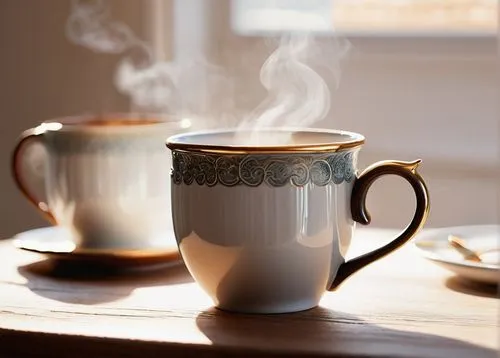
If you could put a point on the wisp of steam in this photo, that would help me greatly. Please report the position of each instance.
(297, 95)
(148, 84)
(153, 85)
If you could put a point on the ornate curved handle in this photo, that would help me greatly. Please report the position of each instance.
(406, 170)
(28, 137)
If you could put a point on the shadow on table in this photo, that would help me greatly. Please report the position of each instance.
(324, 332)
(472, 288)
(87, 285)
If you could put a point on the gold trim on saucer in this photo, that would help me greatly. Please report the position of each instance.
(176, 143)
(55, 243)
(122, 258)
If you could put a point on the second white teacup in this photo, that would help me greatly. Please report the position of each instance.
(107, 178)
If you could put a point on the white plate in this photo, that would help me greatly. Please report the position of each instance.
(55, 242)
(433, 244)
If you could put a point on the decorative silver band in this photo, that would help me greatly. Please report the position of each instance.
(254, 170)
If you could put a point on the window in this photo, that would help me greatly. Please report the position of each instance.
(401, 17)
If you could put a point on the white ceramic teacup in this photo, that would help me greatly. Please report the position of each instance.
(265, 228)
(107, 178)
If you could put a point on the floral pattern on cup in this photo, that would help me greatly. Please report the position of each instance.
(256, 169)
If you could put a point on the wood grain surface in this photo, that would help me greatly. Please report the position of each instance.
(401, 306)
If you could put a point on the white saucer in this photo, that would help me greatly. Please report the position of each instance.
(56, 243)
(433, 245)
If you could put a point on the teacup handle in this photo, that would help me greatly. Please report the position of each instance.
(406, 170)
(29, 137)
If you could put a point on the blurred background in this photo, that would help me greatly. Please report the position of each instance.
(420, 81)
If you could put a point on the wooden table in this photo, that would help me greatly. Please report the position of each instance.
(402, 306)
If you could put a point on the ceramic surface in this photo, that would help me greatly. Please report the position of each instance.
(264, 227)
(433, 245)
(263, 233)
(109, 185)
(57, 243)
(263, 248)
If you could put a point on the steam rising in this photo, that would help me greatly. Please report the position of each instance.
(298, 96)
(152, 85)
(89, 26)
(149, 83)
(293, 75)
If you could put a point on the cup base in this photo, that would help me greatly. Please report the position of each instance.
(275, 308)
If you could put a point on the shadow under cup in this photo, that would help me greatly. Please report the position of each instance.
(106, 178)
(263, 220)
